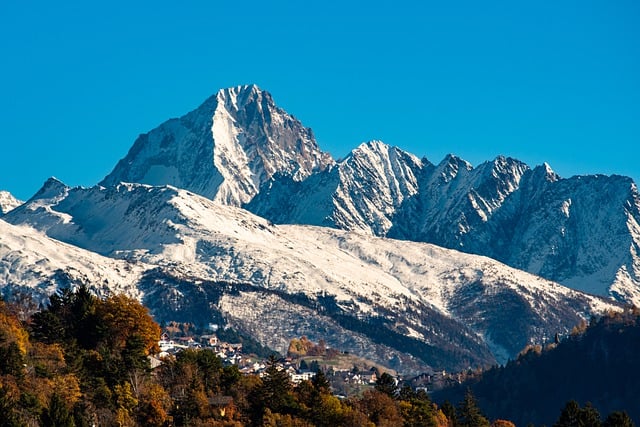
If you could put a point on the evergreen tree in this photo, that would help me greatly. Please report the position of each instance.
(11, 358)
(589, 416)
(57, 415)
(387, 384)
(8, 417)
(618, 419)
(574, 416)
(570, 415)
(320, 382)
(406, 393)
(274, 393)
(450, 412)
(469, 414)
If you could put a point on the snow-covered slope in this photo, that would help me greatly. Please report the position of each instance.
(225, 149)
(239, 148)
(362, 192)
(30, 260)
(412, 303)
(8, 202)
(580, 231)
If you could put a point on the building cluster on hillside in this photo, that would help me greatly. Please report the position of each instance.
(357, 378)
(230, 354)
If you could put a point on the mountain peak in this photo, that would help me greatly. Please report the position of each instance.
(225, 150)
(545, 172)
(8, 202)
(371, 146)
(240, 96)
(51, 188)
(451, 165)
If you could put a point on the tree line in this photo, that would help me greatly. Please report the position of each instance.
(84, 361)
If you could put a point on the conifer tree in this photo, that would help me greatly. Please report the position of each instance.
(320, 382)
(469, 414)
(387, 384)
(57, 415)
(618, 419)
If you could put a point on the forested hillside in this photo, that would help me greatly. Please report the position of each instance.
(84, 361)
(597, 365)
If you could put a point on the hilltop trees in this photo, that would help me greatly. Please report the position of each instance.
(83, 360)
(597, 363)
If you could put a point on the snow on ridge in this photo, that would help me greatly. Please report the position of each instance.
(30, 258)
(8, 202)
(194, 239)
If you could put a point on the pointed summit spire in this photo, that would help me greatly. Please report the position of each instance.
(225, 150)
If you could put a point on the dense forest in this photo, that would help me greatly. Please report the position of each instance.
(597, 366)
(83, 361)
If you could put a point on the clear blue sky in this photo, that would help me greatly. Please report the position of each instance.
(544, 80)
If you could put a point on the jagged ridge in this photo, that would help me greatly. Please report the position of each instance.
(425, 305)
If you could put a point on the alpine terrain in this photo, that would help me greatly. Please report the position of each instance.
(233, 215)
(408, 305)
(7, 202)
(239, 148)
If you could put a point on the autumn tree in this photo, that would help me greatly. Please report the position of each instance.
(380, 408)
(416, 408)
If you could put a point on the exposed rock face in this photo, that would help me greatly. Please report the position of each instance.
(581, 231)
(225, 149)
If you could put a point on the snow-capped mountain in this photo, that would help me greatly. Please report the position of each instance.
(405, 304)
(168, 226)
(581, 231)
(32, 262)
(225, 149)
(362, 192)
(8, 202)
(238, 148)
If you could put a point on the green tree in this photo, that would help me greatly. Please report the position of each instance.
(406, 393)
(387, 384)
(589, 416)
(11, 358)
(574, 416)
(321, 383)
(618, 419)
(469, 414)
(8, 417)
(450, 412)
(275, 392)
(57, 414)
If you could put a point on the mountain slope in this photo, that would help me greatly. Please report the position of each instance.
(225, 149)
(31, 261)
(8, 202)
(362, 192)
(239, 148)
(581, 231)
(410, 304)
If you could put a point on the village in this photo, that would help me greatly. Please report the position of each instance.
(303, 359)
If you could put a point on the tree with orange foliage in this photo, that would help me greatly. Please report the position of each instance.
(121, 318)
